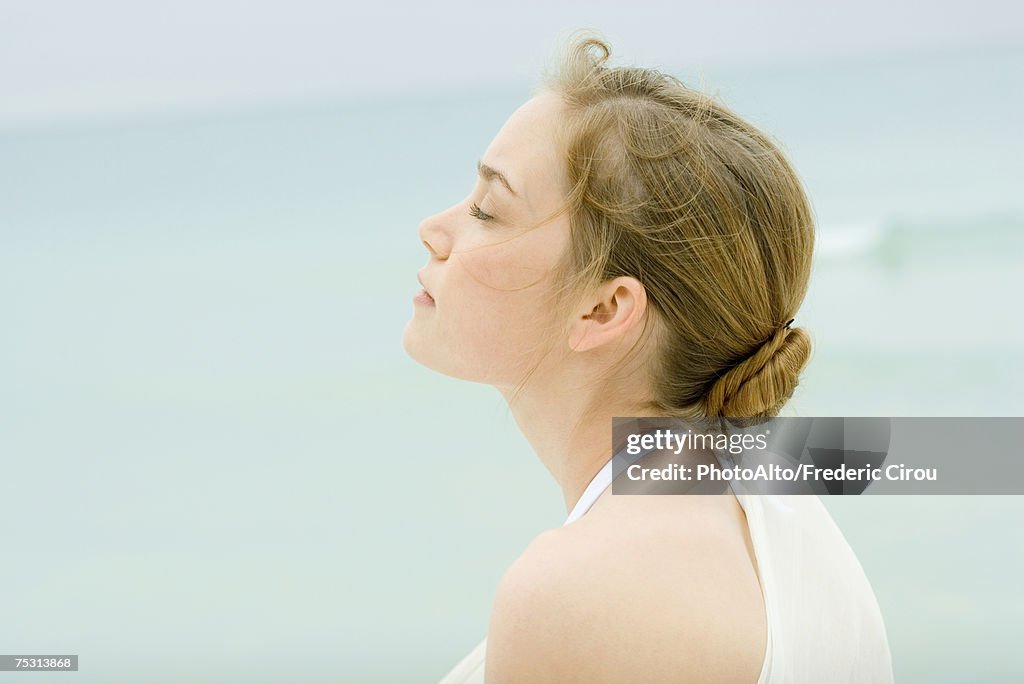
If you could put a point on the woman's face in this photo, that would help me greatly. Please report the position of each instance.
(487, 273)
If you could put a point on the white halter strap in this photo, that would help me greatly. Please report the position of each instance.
(601, 482)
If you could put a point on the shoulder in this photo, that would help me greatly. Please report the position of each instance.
(611, 601)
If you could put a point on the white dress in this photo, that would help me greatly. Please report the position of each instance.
(824, 624)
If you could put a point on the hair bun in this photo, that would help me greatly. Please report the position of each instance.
(761, 384)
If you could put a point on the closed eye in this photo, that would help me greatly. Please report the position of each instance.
(475, 212)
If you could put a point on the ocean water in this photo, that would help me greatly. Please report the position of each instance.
(219, 464)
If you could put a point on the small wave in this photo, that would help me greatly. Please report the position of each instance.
(870, 237)
(847, 240)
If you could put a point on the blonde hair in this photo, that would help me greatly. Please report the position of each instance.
(668, 185)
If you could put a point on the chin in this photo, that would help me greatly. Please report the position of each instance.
(410, 343)
(489, 366)
(423, 352)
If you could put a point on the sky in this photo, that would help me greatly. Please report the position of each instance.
(64, 60)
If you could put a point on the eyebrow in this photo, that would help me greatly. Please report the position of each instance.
(488, 173)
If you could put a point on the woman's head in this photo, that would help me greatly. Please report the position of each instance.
(491, 258)
(658, 218)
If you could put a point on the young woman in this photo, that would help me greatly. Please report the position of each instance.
(634, 248)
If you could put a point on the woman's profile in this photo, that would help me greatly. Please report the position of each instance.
(633, 247)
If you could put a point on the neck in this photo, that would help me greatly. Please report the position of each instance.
(572, 446)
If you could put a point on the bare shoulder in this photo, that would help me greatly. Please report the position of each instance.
(629, 596)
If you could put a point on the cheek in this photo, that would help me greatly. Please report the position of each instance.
(501, 292)
(506, 267)
(517, 263)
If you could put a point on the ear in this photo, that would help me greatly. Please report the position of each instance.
(616, 307)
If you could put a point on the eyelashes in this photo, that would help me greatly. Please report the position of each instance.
(475, 212)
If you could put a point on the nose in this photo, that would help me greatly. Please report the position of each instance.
(435, 237)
